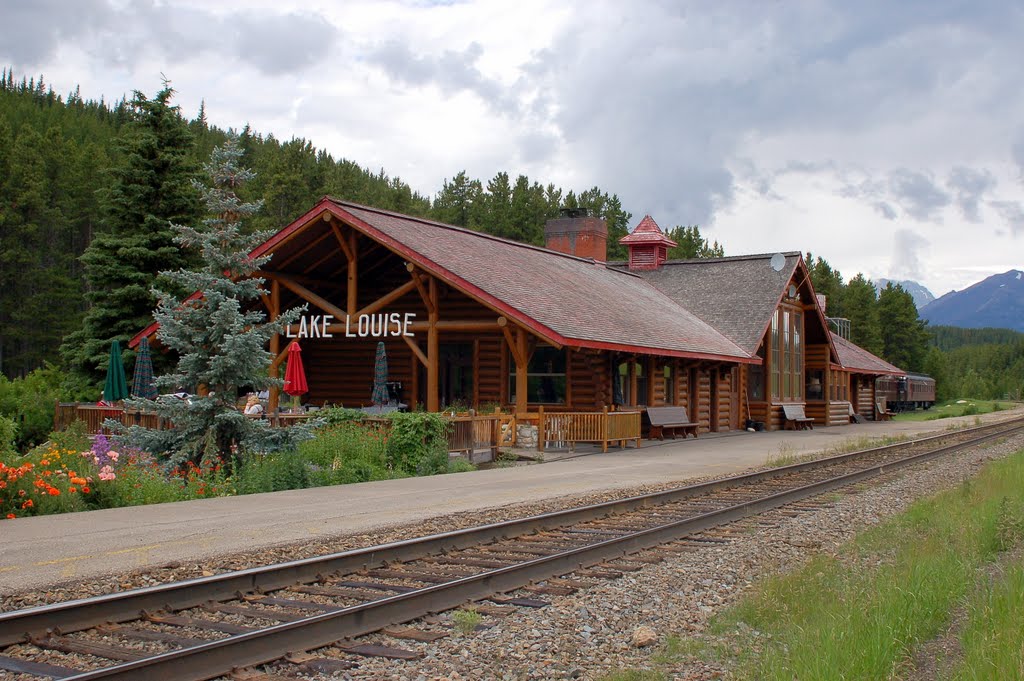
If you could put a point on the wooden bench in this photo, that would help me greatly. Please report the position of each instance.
(794, 414)
(882, 411)
(668, 420)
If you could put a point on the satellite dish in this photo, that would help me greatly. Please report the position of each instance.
(777, 262)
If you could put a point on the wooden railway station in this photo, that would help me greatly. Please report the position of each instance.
(551, 335)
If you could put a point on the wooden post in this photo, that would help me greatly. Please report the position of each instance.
(433, 351)
(540, 428)
(522, 384)
(604, 429)
(632, 383)
(353, 275)
(275, 343)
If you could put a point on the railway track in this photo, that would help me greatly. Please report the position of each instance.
(208, 627)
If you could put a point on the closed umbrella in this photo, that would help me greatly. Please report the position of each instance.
(380, 376)
(294, 374)
(116, 386)
(142, 380)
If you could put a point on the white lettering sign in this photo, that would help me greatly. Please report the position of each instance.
(381, 325)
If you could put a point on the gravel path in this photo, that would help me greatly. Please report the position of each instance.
(591, 633)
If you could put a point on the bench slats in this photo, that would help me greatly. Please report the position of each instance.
(795, 414)
(670, 419)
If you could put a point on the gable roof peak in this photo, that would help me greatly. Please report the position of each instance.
(647, 232)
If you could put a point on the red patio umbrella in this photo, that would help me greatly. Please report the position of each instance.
(294, 375)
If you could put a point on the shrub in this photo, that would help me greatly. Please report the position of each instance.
(8, 435)
(417, 443)
(335, 415)
(460, 466)
(29, 402)
(346, 452)
(272, 473)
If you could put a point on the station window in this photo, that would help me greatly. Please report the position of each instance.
(787, 368)
(545, 377)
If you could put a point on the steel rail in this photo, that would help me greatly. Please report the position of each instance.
(81, 614)
(220, 657)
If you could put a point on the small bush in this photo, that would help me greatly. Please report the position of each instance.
(466, 621)
(8, 435)
(29, 402)
(417, 443)
(332, 416)
(346, 452)
(272, 473)
(460, 466)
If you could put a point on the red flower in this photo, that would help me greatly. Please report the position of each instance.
(85, 490)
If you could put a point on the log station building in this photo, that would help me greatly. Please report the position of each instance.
(477, 321)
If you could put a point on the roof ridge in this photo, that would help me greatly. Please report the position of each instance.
(463, 230)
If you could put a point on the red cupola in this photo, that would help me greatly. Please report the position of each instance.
(648, 245)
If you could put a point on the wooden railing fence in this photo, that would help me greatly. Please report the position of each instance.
(603, 427)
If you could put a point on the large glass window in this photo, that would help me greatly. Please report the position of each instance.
(787, 370)
(545, 377)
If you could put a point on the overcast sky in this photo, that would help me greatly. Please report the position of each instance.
(884, 136)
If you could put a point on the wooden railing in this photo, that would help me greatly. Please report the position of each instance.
(467, 433)
(603, 427)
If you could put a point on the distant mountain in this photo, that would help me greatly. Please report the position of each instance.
(918, 292)
(996, 302)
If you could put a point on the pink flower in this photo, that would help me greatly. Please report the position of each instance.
(107, 473)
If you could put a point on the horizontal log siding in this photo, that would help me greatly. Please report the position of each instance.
(839, 413)
(489, 369)
(866, 398)
(703, 401)
(724, 399)
(340, 370)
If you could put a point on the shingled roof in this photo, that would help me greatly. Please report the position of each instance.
(647, 232)
(736, 295)
(571, 300)
(859, 360)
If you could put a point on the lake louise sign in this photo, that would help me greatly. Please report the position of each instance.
(364, 326)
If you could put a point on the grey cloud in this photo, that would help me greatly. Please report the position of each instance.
(970, 187)
(118, 34)
(285, 43)
(906, 260)
(1017, 152)
(33, 29)
(1012, 213)
(917, 194)
(452, 71)
(885, 210)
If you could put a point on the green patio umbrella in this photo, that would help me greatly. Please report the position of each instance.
(116, 386)
(380, 376)
(142, 380)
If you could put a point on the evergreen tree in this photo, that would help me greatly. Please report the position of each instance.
(862, 310)
(151, 189)
(219, 335)
(691, 244)
(460, 202)
(829, 283)
(904, 339)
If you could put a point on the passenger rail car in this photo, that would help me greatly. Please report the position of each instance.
(906, 393)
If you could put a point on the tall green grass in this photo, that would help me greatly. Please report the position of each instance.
(993, 639)
(859, 615)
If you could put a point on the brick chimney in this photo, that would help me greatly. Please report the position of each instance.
(648, 245)
(578, 234)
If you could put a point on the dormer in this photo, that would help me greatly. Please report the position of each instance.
(648, 245)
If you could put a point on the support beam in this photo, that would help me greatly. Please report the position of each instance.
(274, 306)
(349, 255)
(417, 353)
(387, 299)
(433, 352)
(522, 366)
(353, 273)
(417, 279)
(307, 295)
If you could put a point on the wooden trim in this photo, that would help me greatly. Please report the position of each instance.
(418, 280)
(349, 255)
(274, 306)
(416, 352)
(387, 298)
(303, 251)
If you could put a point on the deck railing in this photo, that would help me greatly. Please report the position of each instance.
(467, 434)
(603, 427)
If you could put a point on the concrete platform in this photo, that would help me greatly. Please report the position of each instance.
(44, 550)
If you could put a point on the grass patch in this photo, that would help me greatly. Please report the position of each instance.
(466, 621)
(992, 639)
(954, 408)
(859, 614)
